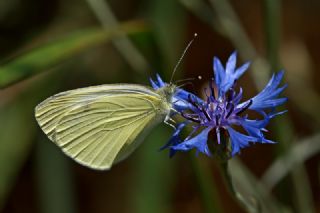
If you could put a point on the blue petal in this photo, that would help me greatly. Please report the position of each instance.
(231, 63)
(158, 83)
(274, 114)
(198, 142)
(255, 128)
(225, 78)
(268, 97)
(161, 83)
(239, 141)
(231, 77)
(181, 102)
(277, 91)
(175, 138)
(239, 72)
(238, 98)
(219, 72)
(181, 105)
(154, 84)
(184, 95)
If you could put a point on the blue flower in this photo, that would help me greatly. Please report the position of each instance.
(223, 110)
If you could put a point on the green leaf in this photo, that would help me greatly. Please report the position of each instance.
(251, 190)
(171, 43)
(15, 118)
(206, 184)
(17, 132)
(48, 55)
(299, 153)
(153, 175)
(55, 185)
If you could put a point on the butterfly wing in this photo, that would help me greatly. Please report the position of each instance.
(100, 125)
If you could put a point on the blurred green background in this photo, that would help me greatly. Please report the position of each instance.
(51, 46)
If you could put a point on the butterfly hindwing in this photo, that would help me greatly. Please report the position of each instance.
(93, 125)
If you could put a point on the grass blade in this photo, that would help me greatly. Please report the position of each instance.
(48, 55)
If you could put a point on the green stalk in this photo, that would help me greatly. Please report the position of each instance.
(54, 179)
(126, 48)
(223, 157)
(272, 31)
(232, 28)
(205, 182)
(48, 55)
(153, 176)
(250, 207)
(284, 127)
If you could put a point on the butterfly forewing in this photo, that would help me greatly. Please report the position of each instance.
(92, 125)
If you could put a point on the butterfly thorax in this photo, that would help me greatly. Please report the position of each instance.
(167, 93)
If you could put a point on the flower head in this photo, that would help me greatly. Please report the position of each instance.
(223, 110)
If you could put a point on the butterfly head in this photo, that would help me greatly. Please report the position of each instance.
(166, 103)
(167, 92)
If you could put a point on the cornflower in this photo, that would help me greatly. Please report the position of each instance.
(222, 111)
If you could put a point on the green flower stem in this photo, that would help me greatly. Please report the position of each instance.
(234, 31)
(108, 20)
(222, 156)
(250, 207)
(272, 31)
(205, 182)
(284, 127)
(55, 184)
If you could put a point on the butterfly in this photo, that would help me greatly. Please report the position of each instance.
(99, 126)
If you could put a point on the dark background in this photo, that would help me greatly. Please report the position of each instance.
(52, 46)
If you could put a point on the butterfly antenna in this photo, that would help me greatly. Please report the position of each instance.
(180, 59)
(187, 83)
(188, 79)
(182, 80)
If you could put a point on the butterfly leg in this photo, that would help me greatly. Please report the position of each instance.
(166, 121)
